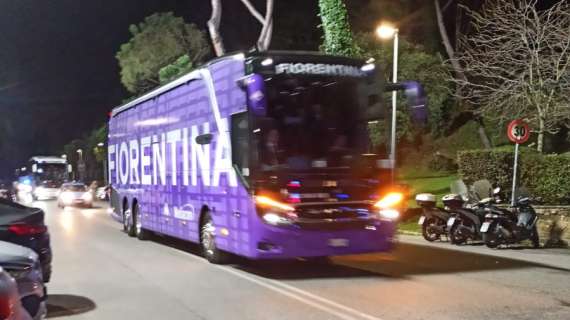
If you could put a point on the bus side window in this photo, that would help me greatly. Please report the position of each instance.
(240, 142)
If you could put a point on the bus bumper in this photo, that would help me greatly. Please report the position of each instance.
(286, 243)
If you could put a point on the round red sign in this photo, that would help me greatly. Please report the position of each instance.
(518, 131)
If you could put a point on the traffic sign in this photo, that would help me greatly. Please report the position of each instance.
(518, 131)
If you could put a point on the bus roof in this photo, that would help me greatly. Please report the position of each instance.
(47, 159)
(301, 55)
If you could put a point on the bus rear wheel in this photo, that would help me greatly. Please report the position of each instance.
(140, 233)
(208, 242)
(128, 225)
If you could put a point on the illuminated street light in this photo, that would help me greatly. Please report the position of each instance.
(100, 144)
(387, 31)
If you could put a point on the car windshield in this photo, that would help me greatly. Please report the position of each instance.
(75, 188)
(313, 122)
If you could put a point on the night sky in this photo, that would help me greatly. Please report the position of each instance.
(58, 73)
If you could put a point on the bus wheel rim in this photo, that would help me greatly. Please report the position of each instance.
(208, 238)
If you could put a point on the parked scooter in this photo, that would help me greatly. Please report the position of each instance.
(466, 221)
(511, 226)
(433, 219)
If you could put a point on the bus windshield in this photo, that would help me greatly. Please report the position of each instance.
(313, 122)
(52, 171)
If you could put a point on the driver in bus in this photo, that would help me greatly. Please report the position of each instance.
(270, 150)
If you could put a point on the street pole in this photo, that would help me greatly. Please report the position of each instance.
(515, 167)
(394, 103)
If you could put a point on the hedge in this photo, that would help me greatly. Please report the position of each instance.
(546, 176)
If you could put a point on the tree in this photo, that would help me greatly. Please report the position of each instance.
(338, 38)
(457, 68)
(414, 63)
(517, 64)
(158, 41)
(178, 68)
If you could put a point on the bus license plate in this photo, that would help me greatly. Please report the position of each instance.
(450, 222)
(485, 226)
(422, 219)
(338, 243)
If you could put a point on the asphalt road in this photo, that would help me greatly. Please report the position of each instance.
(100, 273)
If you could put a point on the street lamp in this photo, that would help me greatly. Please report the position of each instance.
(101, 145)
(387, 31)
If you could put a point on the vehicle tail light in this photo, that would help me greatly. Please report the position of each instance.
(26, 229)
(6, 307)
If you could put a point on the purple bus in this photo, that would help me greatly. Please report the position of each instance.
(261, 155)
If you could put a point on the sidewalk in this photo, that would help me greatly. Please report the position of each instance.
(557, 258)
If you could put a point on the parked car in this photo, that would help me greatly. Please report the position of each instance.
(25, 226)
(75, 194)
(23, 265)
(10, 305)
(6, 190)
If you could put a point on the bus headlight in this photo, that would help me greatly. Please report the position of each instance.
(25, 187)
(391, 214)
(276, 219)
(390, 200)
(275, 213)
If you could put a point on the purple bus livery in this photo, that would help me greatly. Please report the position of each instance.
(261, 155)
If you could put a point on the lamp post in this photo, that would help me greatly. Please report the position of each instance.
(80, 165)
(104, 161)
(386, 31)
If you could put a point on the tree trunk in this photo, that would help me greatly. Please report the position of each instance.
(267, 23)
(214, 28)
(540, 139)
(458, 69)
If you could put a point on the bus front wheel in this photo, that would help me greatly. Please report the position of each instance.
(208, 242)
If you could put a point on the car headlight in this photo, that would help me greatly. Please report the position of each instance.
(66, 197)
(87, 196)
(391, 214)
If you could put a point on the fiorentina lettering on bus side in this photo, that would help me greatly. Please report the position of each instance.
(146, 161)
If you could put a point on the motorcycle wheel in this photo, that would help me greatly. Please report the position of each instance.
(491, 237)
(456, 236)
(428, 234)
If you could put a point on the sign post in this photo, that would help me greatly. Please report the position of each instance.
(518, 132)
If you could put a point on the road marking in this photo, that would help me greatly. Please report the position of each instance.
(292, 292)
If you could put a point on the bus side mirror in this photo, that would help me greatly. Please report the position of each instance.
(416, 99)
(204, 138)
(254, 86)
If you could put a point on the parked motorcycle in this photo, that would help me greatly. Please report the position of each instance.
(511, 226)
(433, 219)
(466, 221)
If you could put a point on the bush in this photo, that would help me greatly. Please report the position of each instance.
(544, 176)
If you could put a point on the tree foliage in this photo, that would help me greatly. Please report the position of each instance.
(158, 41)
(338, 38)
(178, 68)
(418, 64)
(517, 64)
